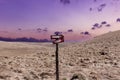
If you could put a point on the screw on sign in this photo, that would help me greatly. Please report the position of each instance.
(57, 39)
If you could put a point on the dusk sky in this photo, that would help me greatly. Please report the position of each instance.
(74, 18)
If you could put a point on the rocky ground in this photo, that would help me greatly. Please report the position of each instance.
(97, 59)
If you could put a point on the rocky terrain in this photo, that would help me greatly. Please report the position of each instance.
(97, 59)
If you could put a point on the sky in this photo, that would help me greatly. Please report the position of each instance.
(76, 19)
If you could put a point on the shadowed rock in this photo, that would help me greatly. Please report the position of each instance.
(78, 77)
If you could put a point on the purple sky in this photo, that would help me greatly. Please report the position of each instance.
(53, 15)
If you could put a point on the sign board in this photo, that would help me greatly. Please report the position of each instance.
(57, 38)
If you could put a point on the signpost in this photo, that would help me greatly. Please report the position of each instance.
(57, 39)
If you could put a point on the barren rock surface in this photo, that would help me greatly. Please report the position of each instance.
(97, 59)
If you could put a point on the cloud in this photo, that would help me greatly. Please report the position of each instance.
(90, 9)
(94, 0)
(96, 25)
(118, 20)
(19, 29)
(45, 30)
(57, 33)
(99, 26)
(101, 7)
(104, 22)
(85, 33)
(70, 30)
(42, 30)
(65, 1)
(39, 30)
(93, 28)
(108, 25)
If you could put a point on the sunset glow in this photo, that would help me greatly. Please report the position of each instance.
(41, 18)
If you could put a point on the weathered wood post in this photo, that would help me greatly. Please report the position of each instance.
(57, 39)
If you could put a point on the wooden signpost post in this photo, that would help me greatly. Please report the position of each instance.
(56, 39)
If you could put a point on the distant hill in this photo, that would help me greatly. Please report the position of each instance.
(111, 37)
(99, 56)
(23, 39)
